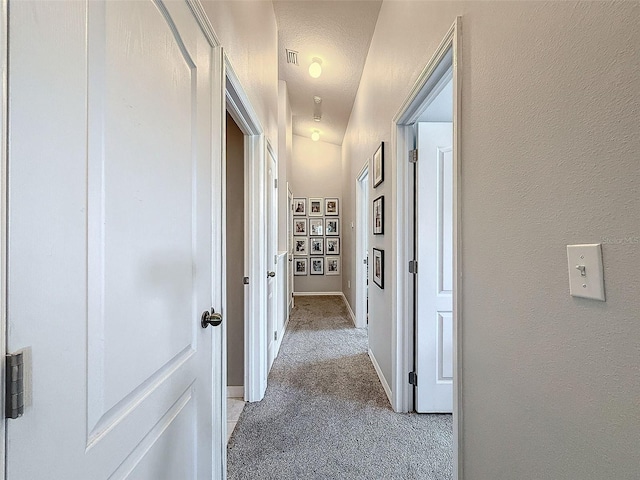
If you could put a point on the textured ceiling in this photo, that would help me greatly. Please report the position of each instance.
(339, 33)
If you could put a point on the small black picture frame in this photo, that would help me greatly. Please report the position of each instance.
(378, 215)
(378, 166)
(378, 267)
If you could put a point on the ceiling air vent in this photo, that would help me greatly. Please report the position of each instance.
(292, 56)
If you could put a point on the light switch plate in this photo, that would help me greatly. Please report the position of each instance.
(586, 273)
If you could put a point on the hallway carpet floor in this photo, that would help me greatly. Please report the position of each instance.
(326, 416)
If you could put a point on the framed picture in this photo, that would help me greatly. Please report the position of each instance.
(378, 166)
(300, 246)
(332, 227)
(333, 246)
(316, 227)
(378, 267)
(378, 215)
(332, 266)
(300, 227)
(331, 207)
(317, 266)
(299, 266)
(300, 207)
(315, 207)
(317, 246)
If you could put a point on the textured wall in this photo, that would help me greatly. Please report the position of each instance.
(249, 35)
(550, 116)
(317, 172)
(234, 317)
(285, 154)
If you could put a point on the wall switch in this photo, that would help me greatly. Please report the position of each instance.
(586, 273)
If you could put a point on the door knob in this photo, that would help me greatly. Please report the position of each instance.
(210, 318)
(271, 274)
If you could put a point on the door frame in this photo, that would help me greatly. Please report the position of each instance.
(255, 147)
(271, 263)
(290, 297)
(362, 238)
(402, 303)
(4, 128)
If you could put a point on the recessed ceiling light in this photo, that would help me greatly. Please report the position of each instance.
(315, 69)
(315, 136)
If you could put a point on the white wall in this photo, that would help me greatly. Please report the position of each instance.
(285, 156)
(550, 108)
(317, 172)
(248, 33)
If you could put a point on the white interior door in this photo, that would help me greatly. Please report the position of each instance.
(110, 241)
(434, 242)
(289, 248)
(272, 255)
(362, 242)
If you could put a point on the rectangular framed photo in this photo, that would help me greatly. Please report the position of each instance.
(300, 227)
(315, 207)
(300, 246)
(332, 266)
(300, 207)
(378, 215)
(378, 166)
(378, 267)
(317, 246)
(331, 207)
(299, 266)
(317, 266)
(333, 246)
(316, 227)
(332, 227)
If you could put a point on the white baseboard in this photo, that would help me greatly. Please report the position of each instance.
(315, 294)
(353, 315)
(384, 383)
(235, 392)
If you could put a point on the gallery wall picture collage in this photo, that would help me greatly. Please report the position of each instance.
(316, 236)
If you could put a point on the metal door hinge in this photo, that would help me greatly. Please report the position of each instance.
(275, 183)
(413, 266)
(275, 335)
(413, 156)
(245, 280)
(413, 379)
(14, 400)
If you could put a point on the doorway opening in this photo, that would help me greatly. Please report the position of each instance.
(235, 253)
(238, 107)
(427, 332)
(362, 247)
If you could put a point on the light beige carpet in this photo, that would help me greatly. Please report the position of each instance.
(325, 414)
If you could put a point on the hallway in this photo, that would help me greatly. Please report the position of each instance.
(325, 414)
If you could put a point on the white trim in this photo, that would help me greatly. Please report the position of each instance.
(218, 246)
(4, 128)
(402, 301)
(383, 381)
(198, 12)
(235, 391)
(360, 319)
(255, 345)
(353, 316)
(316, 294)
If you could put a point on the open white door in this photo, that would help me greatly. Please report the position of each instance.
(272, 255)
(434, 245)
(289, 249)
(110, 241)
(362, 248)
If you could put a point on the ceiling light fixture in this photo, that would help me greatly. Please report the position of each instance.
(315, 69)
(315, 136)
